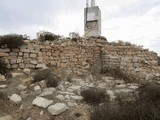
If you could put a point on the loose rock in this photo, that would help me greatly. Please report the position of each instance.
(42, 102)
(57, 108)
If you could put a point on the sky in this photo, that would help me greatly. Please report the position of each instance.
(135, 21)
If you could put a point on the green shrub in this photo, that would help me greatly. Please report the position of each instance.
(11, 41)
(3, 67)
(52, 81)
(94, 95)
(41, 75)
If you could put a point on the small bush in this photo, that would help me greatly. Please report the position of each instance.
(150, 92)
(3, 67)
(146, 107)
(3, 96)
(41, 75)
(127, 111)
(119, 74)
(94, 95)
(11, 41)
(46, 36)
(52, 81)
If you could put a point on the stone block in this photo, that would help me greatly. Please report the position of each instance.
(26, 55)
(13, 53)
(4, 54)
(19, 60)
(15, 98)
(14, 66)
(13, 61)
(27, 71)
(37, 90)
(33, 62)
(20, 54)
(21, 65)
(7, 117)
(57, 108)
(42, 102)
(41, 66)
(30, 66)
(5, 50)
(33, 55)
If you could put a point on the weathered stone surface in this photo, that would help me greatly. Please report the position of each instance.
(17, 74)
(15, 98)
(57, 108)
(50, 89)
(4, 54)
(27, 71)
(3, 86)
(21, 87)
(41, 66)
(37, 90)
(33, 55)
(42, 102)
(2, 78)
(13, 61)
(7, 117)
(46, 93)
(76, 97)
(60, 97)
(28, 81)
(4, 50)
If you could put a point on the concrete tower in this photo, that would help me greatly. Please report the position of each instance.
(92, 19)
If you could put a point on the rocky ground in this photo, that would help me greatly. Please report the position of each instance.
(28, 101)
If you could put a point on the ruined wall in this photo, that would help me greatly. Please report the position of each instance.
(83, 56)
(130, 58)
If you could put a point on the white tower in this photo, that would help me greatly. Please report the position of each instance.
(92, 19)
(92, 3)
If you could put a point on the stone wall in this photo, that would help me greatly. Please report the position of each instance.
(83, 56)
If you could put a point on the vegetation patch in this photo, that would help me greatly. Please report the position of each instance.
(3, 67)
(119, 74)
(146, 106)
(94, 95)
(46, 36)
(41, 75)
(11, 41)
(3, 95)
(52, 80)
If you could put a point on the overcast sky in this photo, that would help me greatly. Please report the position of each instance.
(137, 21)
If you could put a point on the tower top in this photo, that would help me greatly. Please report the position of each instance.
(92, 4)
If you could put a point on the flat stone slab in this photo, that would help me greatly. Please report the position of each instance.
(21, 87)
(15, 98)
(76, 97)
(3, 86)
(7, 117)
(42, 102)
(46, 93)
(50, 89)
(57, 108)
(60, 97)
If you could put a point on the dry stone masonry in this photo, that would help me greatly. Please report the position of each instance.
(80, 57)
